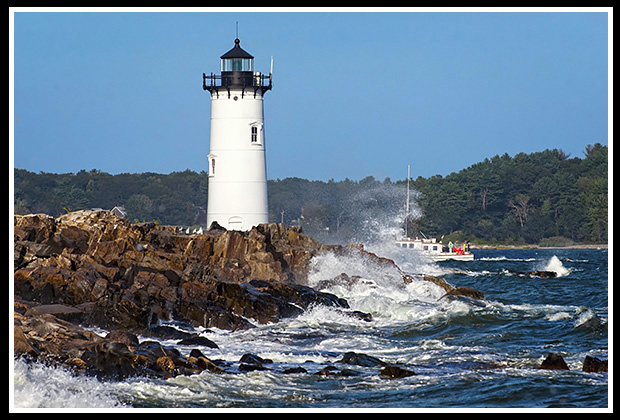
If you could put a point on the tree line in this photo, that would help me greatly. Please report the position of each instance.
(542, 197)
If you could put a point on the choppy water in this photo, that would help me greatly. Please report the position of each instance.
(465, 354)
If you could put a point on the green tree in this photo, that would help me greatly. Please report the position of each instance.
(139, 207)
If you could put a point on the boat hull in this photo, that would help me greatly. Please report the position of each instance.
(451, 256)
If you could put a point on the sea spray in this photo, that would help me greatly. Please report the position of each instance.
(556, 266)
(379, 213)
(385, 213)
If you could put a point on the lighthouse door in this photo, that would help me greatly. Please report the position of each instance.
(235, 223)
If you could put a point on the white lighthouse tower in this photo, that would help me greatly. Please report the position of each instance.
(237, 196)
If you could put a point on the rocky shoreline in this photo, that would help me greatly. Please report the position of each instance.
(90, 270)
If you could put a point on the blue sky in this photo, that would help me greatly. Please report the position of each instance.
(355, 93)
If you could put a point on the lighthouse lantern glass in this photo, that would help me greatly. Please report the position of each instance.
(237, 64)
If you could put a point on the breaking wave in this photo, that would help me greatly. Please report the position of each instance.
(555, 265)
(36, 385)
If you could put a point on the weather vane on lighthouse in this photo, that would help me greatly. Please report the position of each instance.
(237, 192)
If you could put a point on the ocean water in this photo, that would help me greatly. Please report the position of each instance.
(466, 354)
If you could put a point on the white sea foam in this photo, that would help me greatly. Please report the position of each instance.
(383, 293)
(38, 386)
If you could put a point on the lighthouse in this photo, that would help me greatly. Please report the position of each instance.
(237, 196)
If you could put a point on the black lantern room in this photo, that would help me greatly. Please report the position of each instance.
(237, 73)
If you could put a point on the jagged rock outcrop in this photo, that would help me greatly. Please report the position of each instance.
(129, 276)
(41, 334)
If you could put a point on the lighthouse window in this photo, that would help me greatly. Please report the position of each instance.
(256, 133)
(211, 165)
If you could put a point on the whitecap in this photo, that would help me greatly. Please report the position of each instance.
(587, 318)
(503, 258)
(558, 316)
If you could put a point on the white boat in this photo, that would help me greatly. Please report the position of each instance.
(431, 248)
(435, 251)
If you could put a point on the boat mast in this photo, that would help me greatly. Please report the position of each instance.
(407, 205)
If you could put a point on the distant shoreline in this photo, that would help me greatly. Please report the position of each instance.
(534, 246)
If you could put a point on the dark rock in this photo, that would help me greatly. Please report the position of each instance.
(362, 316)
(42, 336)
(229, 305)
(244, 367)
(251, 362)
(327, 371)
(124, 315)
(21, 345)
(168, 333)
(47, 338)
(205, 364)
(537, 273)
(554, 361)
(124, 337)
(346, 372)
(254, 359)
(68, 313)
(594, 364)
(297, 369)
(151, 349)
(439, 282)
(452, 291)
(197, 340)
(395, 372)
(215, 227)
(467, 292)
(360, 359)
(25, 252)
(33, 227)
(334, 371)
(196, 353)
(111, 361)
(542, 274)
